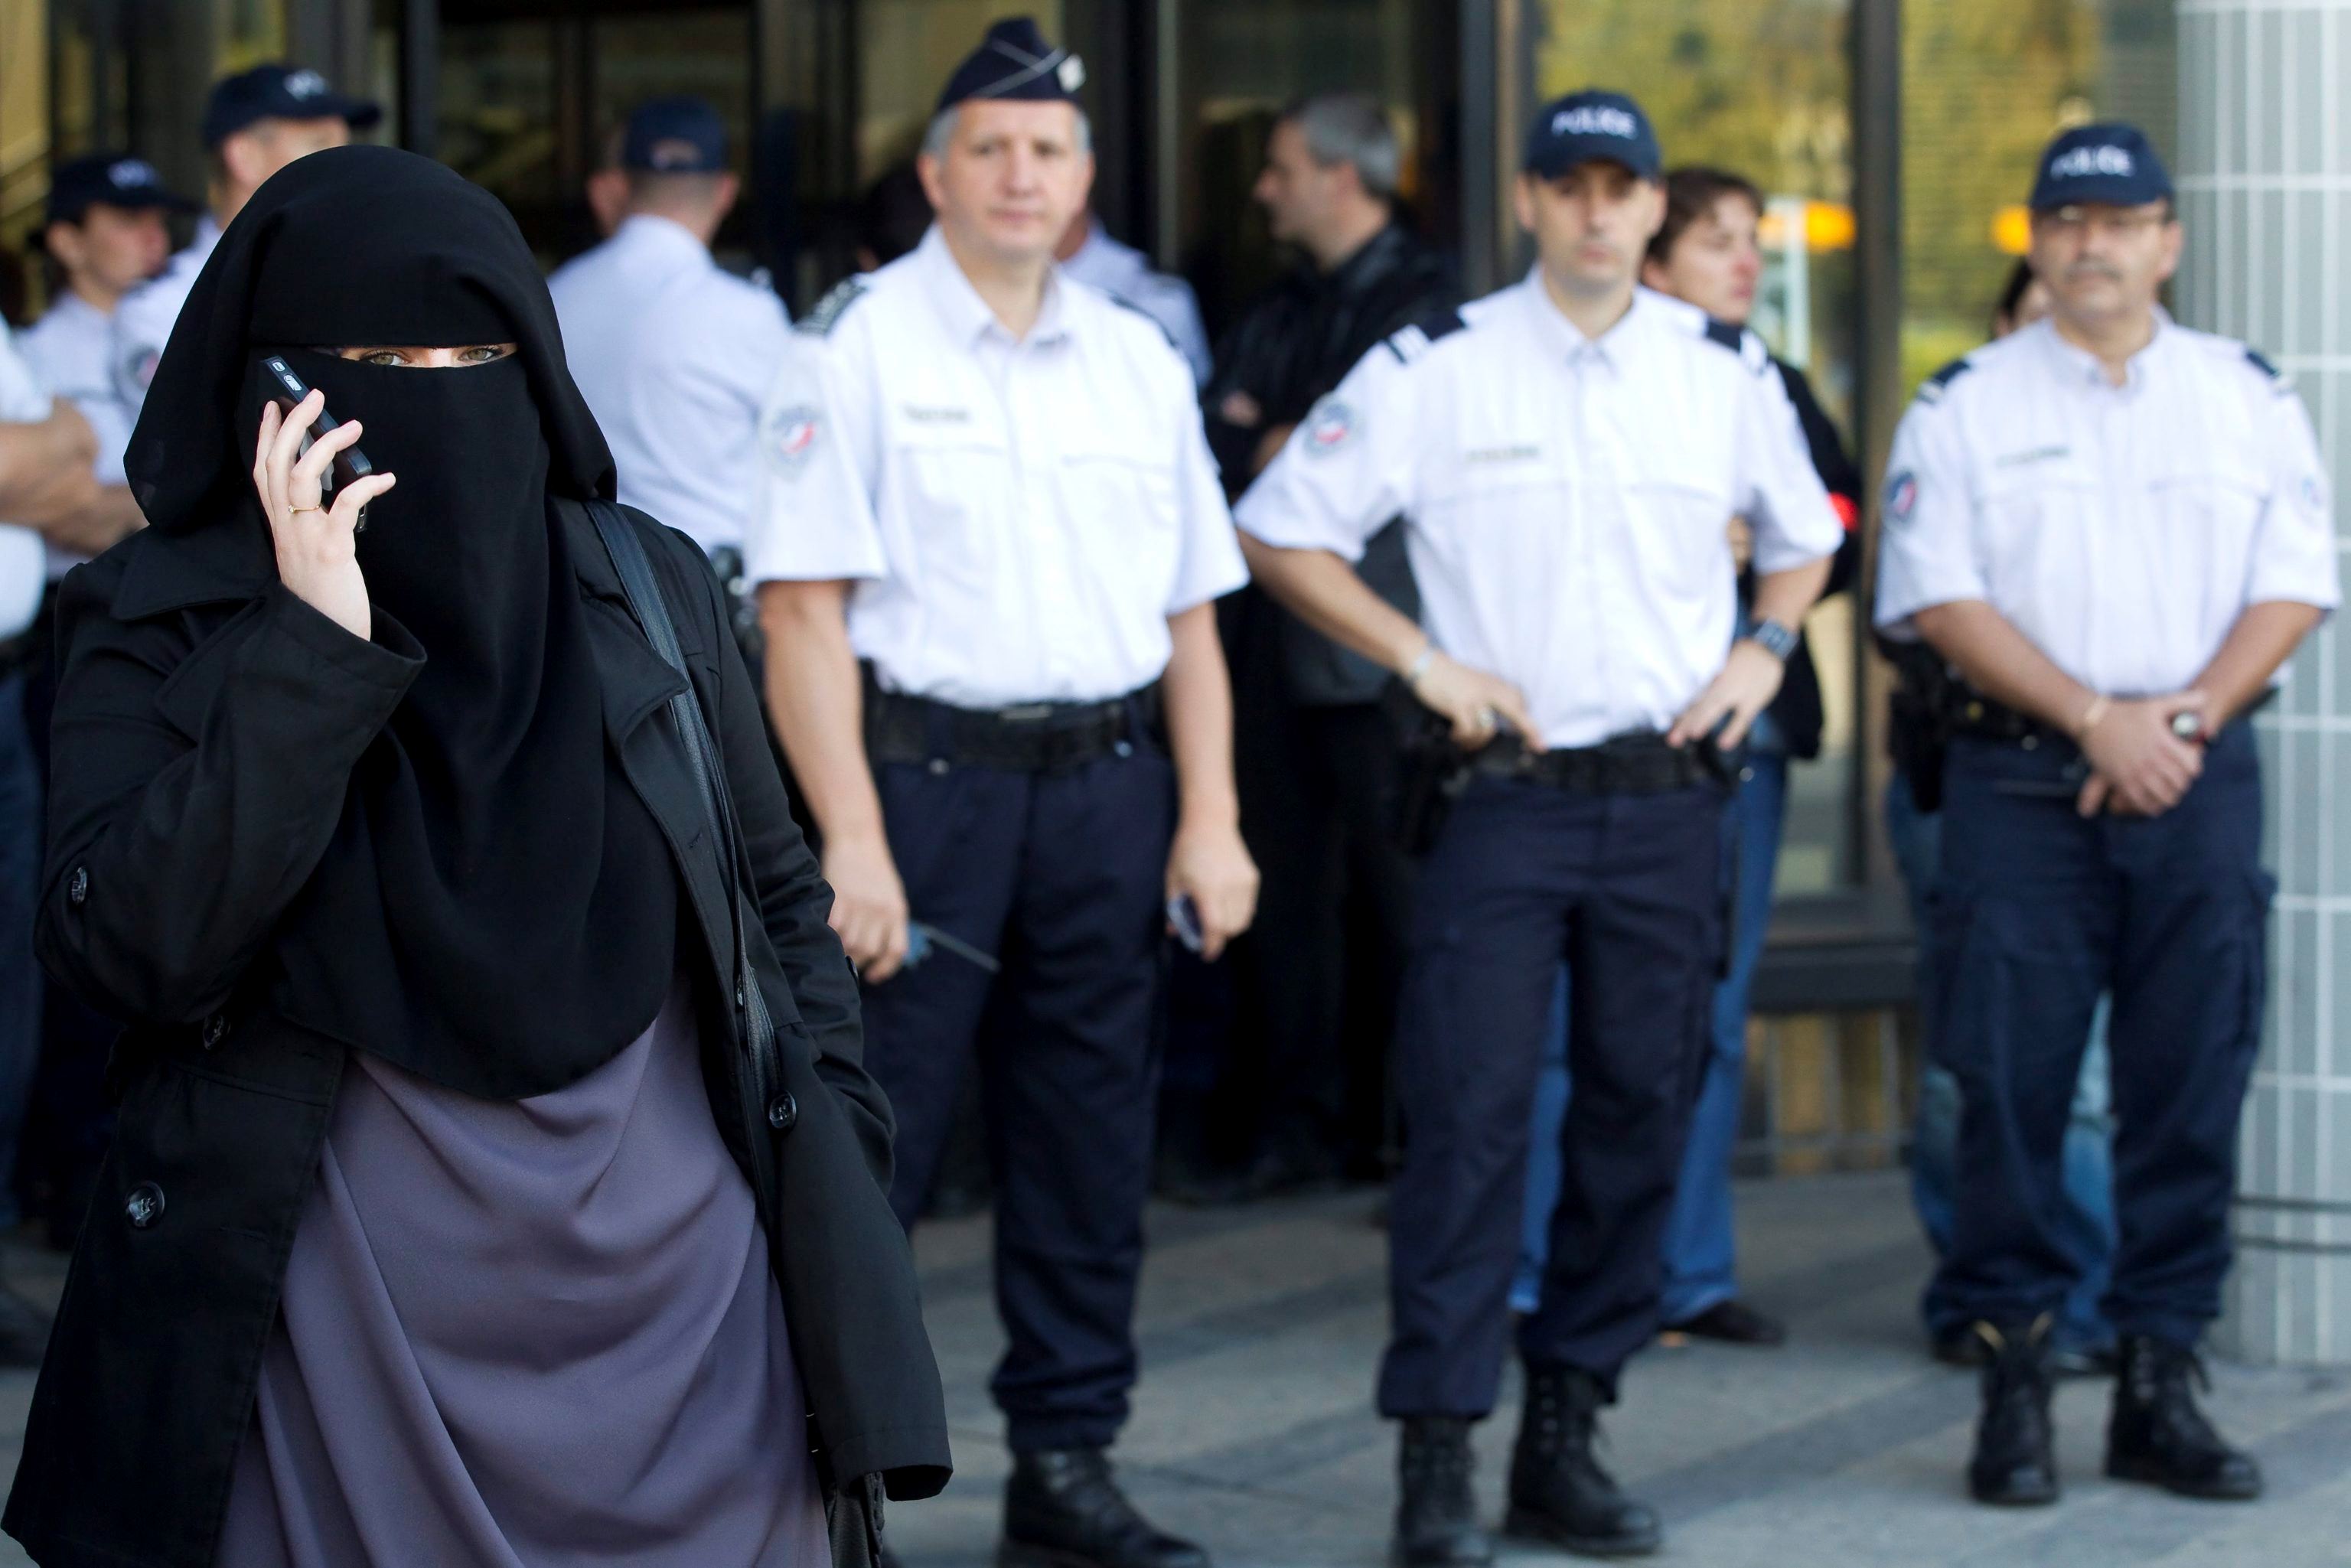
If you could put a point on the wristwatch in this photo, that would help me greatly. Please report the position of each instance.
(1774, 639)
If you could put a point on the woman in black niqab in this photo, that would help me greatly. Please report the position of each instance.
(496, 912)
(436, 1224)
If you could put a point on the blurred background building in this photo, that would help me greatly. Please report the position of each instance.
(1894, 140)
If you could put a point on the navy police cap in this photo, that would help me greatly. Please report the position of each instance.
(1014, 61)
(1592, 127)
(680, 135)
(2113, 164)
(112, 180)
(278, 91)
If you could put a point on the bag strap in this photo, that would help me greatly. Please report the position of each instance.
(763, 1072)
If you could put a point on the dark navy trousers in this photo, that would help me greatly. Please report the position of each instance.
(1061, 875)
(2034, 913)
(1626, 889)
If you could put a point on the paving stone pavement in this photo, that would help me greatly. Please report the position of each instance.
(1253, 1429)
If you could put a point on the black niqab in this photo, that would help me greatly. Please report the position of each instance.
(496, 911)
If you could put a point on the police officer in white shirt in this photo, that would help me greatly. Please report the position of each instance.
(674, 353)
(997, 476)
(105, 233)
(2118, 530)
(1565, 453)
(255, 123)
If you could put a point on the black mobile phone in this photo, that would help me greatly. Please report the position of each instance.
(350, 462)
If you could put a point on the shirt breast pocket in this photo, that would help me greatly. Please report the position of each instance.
(2207, 509)
(1684, 522)
(951, 466)
(1126, 482)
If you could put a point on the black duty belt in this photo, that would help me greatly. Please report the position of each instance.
(1037, 737)
(1637, 764)
(1971, 714)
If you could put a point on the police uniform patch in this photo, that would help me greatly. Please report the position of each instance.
(1940, 381)
(792, 434)
(1901, 496)
(830, 310)
(2279, 382)
(1329, 425)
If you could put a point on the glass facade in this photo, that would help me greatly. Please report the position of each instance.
(1838, 109)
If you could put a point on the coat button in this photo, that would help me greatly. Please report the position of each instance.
(145, 1206)
(782, 1112)
(77, 890)
(215, 1030)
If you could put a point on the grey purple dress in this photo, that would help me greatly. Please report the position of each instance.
(529, 1333)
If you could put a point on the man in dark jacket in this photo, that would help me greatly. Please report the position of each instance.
(1316, 750)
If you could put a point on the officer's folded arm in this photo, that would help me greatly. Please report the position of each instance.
(1321, 589)
(816, 696)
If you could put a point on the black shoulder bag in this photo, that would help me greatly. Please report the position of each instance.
(853, 1513)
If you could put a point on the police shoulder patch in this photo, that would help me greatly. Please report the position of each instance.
(2280, 382)
(1739, 341)
(820, 321)
(1936, 385)
(1412, 341)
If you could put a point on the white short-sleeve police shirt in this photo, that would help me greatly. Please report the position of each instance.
(143, 320)
(674, 355)
(24, 399)
(1021, 517)
(2123, 529)
(1566, 499)
(71, 347)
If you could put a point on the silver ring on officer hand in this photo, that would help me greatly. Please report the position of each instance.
(1486, 717)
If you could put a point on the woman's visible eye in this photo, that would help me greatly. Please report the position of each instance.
(481, 354)
(382, 357)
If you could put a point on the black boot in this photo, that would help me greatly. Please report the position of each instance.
(1063, 1510)
(2158, 1435)
(1437, 1514)
(2015, 1463)
(1558, 1493)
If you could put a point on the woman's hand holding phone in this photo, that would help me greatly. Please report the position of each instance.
(318, 558)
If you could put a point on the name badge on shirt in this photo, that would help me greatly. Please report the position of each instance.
(919, 413)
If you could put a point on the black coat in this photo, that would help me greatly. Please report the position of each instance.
(1292, 346)
(1797, 708)
(207, 724)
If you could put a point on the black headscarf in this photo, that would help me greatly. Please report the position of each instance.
(497, 911)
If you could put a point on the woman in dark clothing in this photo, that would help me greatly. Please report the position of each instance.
(467, 1205)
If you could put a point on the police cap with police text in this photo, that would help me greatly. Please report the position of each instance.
(1592, 127)
(679, 135)
(279, 91)
(1014, 61)
(109, 180)
(2112, 164)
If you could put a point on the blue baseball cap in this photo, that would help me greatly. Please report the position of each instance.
(279, 91)
(2113, 164)
(1014, 61)
(112, 180)
(678, 135)
(1592, 127)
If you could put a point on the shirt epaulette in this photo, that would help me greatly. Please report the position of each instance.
(2280, 382)
(1739, 341)
(1936, 385)
(830, 310)
(1123, 303)
(1409, 343)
